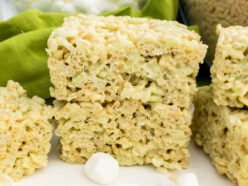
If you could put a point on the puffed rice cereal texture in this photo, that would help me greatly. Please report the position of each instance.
(94, 58)
(230, 67)
(132, 132)
(25, 132)
(223, 133)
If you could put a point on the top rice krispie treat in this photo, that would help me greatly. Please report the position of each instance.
(25, 131)
(93, 58)
(230, 67)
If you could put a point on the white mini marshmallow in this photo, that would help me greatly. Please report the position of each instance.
(102, 168)
(57, 6)
(188, 179)
(6, 180)
(70, 8)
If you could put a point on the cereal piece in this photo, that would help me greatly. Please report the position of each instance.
(132, 132)
(173, 177)
(25, 131)
(230, 67)
(223, 134)
(162, 170)
(94, 58)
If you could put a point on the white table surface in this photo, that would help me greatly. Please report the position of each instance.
(59, 173)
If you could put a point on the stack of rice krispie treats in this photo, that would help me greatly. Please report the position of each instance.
(25, 131)
(124, 86)
(220, 123)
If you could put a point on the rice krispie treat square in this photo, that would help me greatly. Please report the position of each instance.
(25, 132)
(132, 132)
(207, 14)
(230, 67)
(94, 58)
(223, 134)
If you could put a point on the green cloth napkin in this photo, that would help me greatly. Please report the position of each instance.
(23, 40)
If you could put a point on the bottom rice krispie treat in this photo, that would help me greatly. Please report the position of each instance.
(223, 134)
(132, 132)
(25, 132)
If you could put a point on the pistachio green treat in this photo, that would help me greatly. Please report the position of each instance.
(132, 132)
(124, 86)
(223, 134)
(95, 58)
(230, 67)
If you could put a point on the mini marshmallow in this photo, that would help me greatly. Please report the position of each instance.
(102, 168)
(94, 6)
(188, 179)
(68, 7)
(57, 6)
(6, 180)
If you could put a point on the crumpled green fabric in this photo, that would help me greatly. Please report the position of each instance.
(23, 40)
